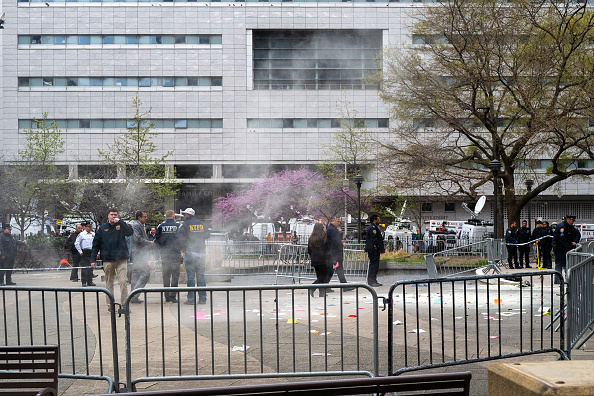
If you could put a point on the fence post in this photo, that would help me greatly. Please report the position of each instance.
(431, 268)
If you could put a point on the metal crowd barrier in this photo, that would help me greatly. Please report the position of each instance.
(75, 318)
(294, 262)
(252, 332)
(463, 259)
(452, 321)
(580, 289)
(242, 257)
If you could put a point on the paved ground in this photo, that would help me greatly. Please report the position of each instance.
(286, 330)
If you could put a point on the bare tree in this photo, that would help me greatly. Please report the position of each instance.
(32, 184)
(133, 175)
(491, 80)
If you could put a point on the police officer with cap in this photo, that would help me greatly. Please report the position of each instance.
(84, 246)
(565, 238)
(8, 252)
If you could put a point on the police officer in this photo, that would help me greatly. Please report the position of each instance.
(84, 247)
(75, 255)
(546, 245)
(170, 254)
(374, 246)
(8, 252)
(537, 234)
(565, 238)
(192, 236)
(523, 236)
(512, 250)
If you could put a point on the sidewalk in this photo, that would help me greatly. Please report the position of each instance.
(171, 317)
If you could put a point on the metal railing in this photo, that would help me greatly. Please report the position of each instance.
(465, 259)
(252, 332)
(242, 257)
(452, 321)
(294, 262)
(74, 318)
(580, 304)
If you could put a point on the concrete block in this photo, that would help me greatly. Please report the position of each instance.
(559, 378)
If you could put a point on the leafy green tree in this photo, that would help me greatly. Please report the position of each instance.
(491, 80)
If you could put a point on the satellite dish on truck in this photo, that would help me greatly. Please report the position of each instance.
(480, 204)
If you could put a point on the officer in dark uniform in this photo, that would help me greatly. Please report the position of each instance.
(537, 234)
(565, 238)
(374, 246)
(546, 245)
(512, 250)
(523, 236)
(75, 255)
(8, 252)
(170, 254)
(192, 236)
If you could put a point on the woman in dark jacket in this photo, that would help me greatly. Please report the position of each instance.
(317, 247)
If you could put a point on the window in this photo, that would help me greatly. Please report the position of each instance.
(450, 207)
(426, 207)
(309, 59)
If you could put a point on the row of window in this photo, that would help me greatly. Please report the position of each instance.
(202, 123)
(127, 39)
(231, 1)
(566, 164)
(216, 123)
(316, 122)
(120, 81)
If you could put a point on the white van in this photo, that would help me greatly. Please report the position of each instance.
(259, 230)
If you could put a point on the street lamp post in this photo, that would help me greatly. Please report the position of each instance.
(529, 183)
(495, 166)
(358, 181)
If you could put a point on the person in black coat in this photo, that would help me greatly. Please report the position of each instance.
(565, 237)
(374, 246)
(524, 236)
(546, 245)
(336, 245)
(319, 252)
(512, 249)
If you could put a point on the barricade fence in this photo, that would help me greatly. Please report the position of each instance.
(580, 289)
(463, 260)
(249, 332)
(74, 318)
(294, 263)
(452, 321)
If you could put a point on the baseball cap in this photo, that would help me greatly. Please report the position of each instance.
(189, 211)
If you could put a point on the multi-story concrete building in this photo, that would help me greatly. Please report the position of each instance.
(236, 88)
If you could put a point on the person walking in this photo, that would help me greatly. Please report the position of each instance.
(336, 246)
(512, 248)
(170, 254)
(319, 253)
(8, 252)
(110, 240)
(523, 237)
(192, 236)
(84, 249)
(374, 246)
(75, 254)
(140, 246)
(565, 238)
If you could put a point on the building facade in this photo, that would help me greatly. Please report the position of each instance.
(235, 88)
